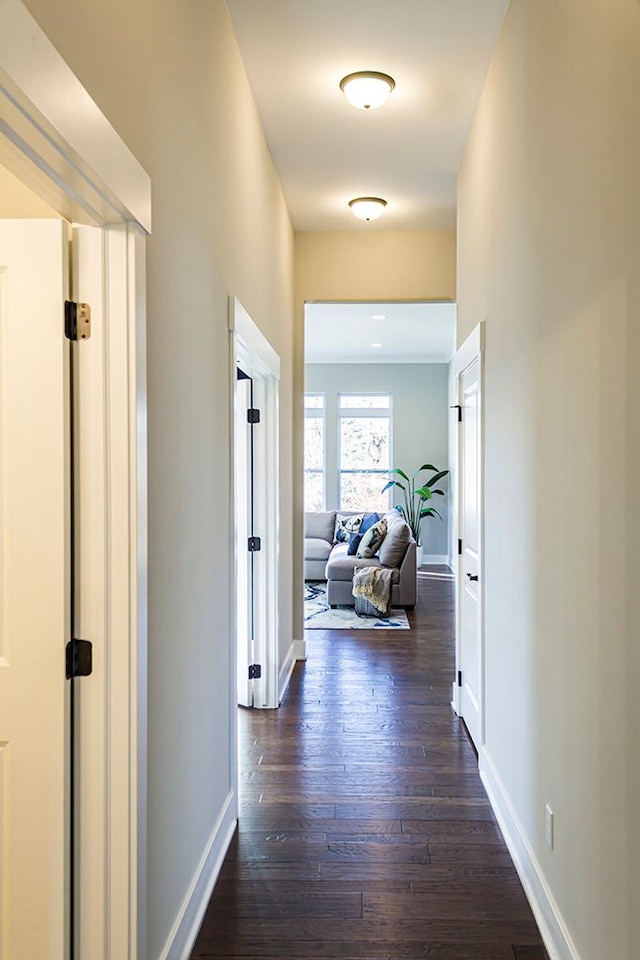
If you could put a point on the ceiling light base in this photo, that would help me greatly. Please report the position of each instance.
(367, 208)
(367, 89)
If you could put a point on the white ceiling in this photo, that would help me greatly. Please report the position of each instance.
(409, 333)
(408, 152)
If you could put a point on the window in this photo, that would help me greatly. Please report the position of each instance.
(314, 445)
(365, 451)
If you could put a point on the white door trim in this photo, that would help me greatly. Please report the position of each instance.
(57, 136)
(254, 353)
(57, 141)
(472, 349)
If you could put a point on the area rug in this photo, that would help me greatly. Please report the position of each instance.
(318, 615)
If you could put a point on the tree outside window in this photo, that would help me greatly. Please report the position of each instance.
(365, 451)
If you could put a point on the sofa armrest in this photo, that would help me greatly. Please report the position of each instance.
(408, 572)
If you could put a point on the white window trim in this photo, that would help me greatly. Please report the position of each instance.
(319, 413)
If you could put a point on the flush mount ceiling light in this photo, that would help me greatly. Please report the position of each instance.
(367, 89)
(378, 316)
(367, 208)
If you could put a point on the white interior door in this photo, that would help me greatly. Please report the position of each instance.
(245, 610)
(34, 589)
(258, 444)
(470, 638)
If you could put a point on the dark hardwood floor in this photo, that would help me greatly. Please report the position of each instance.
(364, 828)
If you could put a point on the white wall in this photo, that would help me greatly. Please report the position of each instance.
(168, 76)
(420, 423)
(549, 256)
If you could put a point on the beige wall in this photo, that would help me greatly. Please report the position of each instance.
(168, 76)
(381, 265)
(549, 256)
(16, 200)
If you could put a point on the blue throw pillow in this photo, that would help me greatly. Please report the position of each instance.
(354, 543)
(368, 521)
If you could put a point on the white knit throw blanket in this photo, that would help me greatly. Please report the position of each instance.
(374, 584)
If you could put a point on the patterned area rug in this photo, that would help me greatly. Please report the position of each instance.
(318, 615)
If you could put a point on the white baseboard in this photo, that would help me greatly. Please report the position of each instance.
(187, 924)
(557, 938)
(300, 649)
(286, 670)
(441, 559)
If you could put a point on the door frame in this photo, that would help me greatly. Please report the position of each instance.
(472, 349)
(55, 139)
(250, 349)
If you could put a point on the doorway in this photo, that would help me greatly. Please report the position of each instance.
(101, 918)
(246, 416)
(466, 401)
(255, 374)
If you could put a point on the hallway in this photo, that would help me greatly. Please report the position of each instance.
(364, 828)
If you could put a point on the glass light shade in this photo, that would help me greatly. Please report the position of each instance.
(367, 208)
(367, 90)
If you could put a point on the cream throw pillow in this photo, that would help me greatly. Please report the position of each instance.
(372, 540)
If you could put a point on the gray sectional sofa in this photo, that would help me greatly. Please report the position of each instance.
(325, 559)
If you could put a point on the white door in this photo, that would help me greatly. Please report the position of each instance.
(243, 468)
(34, 590)
(470, 653)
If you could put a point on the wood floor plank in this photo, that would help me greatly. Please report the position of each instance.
(365, 832)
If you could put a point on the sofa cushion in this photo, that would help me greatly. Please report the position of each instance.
(346, 524)
(320, 526)
(340, 565)
(373, 538)
(394, 545)
(316, 549)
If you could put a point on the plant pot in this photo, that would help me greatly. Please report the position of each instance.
(419, 556)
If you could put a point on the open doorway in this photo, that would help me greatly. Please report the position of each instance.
(255, 375)
(72, 473)
(376, 400)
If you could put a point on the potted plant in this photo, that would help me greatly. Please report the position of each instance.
(413, 509)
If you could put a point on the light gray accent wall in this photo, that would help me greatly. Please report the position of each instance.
(420, 422)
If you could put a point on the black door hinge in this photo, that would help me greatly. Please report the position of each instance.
(459, 678)
(77, 320)
(255, 671)
(456, 406)
(254, 544)
(79, 658)
(253, 415)
(459, 548)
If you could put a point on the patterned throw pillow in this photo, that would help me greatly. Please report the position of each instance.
(372, 540)
(355, 538)
(345, 526)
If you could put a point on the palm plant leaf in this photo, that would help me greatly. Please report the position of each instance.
(392, 483)
(438, 476)
(430, 512)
